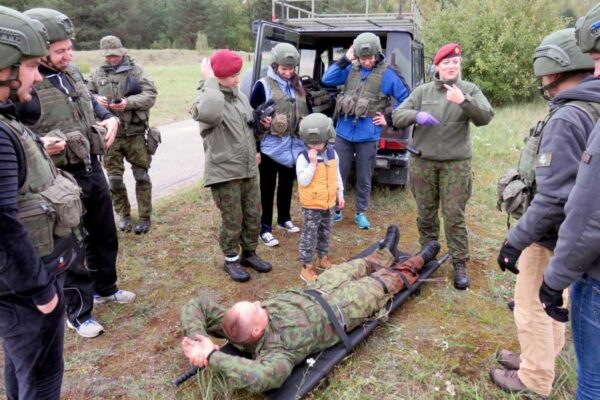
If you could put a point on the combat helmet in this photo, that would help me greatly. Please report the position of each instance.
(367, 44)
(316, 128)
(111, 46)
(559, 53)
(57, 24)
(20, 37)
(285, 54)
(587, 31)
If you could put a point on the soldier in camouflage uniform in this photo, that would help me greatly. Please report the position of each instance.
(230, 168)
(122, 86)
(286, 328)
(443, 172)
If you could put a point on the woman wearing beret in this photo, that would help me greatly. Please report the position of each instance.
(230, 161)
(441, 111)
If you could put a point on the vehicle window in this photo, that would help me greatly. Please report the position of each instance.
(267, 45)
(307, 62)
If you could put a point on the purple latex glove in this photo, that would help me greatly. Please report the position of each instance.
(426, 119)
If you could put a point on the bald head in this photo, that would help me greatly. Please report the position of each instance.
(245, 322)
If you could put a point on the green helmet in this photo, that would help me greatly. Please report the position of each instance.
(559, 53)
(285, 54)
(587, 31)
(58, 25)
(367, 44)
(20, 37)
(111, 46)
(316, 128)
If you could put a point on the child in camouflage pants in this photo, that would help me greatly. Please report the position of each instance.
(319, 186)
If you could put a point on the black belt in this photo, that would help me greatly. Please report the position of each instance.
(332, 317)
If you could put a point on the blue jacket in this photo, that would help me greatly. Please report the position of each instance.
(364, 130)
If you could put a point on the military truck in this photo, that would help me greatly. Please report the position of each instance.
(322, 36)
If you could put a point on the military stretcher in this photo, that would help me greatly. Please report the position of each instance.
(306, 376)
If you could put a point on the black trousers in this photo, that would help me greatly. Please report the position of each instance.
(101, 242)
(269, 170)
(33, 348)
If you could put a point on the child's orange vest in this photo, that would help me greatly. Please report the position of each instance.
(321, 192)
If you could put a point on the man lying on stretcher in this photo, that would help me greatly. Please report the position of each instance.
(283, 330)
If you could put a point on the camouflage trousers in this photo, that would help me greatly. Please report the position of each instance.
(133, 149)
(316, 232)
(445, 183)
(239, 204)
(352, 289)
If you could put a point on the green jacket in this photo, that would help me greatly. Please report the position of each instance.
(127, 81)
(225, 118)
(450, 140)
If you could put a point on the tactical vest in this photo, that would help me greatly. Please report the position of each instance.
(321, 192)
(49, 200)
(117, 84)
(517, 188)
(294, 110)
(70, 113)
(362, 97)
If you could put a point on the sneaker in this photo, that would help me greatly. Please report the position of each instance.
(268, 239)
(289, 226)
(508, 359)
(120, 296)
(89, 329)
(362, 221)
(337, 216)
(308, 273)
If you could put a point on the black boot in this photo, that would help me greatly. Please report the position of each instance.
(235, 270)
(252, 260)
(429, 250)
(125, 224)
(390, 241)
(461, 280)
(143, 226)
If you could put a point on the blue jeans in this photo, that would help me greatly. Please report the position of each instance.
(585, 314)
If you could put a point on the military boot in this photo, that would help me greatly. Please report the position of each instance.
(308, 273)
(125, 223)
(252, 260)
(461, 280)
(390, 241)
(429, 251)
(323, 263)
(143, 226)
(235, 270)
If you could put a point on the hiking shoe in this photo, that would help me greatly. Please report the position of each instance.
(235, 270)
(120, 296)
(508, 359)
(252, 260)
(289, 226)
(308, 273)
(323, 263)
(337, 216)
(461, 280)
(362, 221)
(89, 329)
(508, 380)
(143, 226)
(268, 239)
(125, 224)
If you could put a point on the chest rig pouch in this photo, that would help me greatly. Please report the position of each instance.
(288, 111)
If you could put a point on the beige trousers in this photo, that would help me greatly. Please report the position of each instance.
(541, 338)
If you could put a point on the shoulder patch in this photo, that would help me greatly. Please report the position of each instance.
(544, 160)
(586, 157)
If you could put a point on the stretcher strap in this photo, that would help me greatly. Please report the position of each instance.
(381, 282)
(332, 317)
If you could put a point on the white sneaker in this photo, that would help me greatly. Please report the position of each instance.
(120, 296)
(89, 329)
(268, 239)
(289, 226)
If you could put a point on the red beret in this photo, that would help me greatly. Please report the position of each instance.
(225, 63)
(447, 50)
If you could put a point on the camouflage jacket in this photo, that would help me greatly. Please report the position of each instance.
(298, 327)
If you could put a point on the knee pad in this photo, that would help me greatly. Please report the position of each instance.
(116, 183)
(141, 175)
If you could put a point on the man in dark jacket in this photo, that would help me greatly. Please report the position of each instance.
(548, 164)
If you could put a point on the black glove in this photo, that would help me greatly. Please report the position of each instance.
(552, 302)
(507, 259)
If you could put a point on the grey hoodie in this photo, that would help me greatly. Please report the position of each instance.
(564, 139)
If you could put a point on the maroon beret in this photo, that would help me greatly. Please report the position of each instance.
(446, 51)
(225, 63)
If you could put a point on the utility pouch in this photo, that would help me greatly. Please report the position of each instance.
(279, 125)
(514, 195)
(362, 108)
(153, 140)
(64, 195)
(97, 134)
(348, 104)
(38, 217)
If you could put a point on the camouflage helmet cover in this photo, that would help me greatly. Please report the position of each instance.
(20, 37)
(367, 44)
(559, 53)
(316, 128)
(285, 54)
(111, 46)
(587, 31)
(57, 24)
